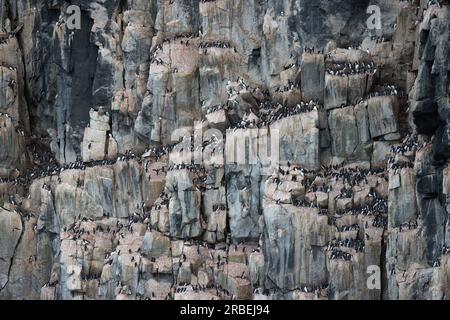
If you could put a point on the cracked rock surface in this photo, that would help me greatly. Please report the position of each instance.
(104, 196)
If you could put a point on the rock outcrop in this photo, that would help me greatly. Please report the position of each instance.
(224, 149)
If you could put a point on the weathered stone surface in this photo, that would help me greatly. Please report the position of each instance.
(243, 201)
(383, 113)
(10, 234)
(313, 75)
(94, 144)
(155, 245)
(94, 205)
(362, 122)
(215, 210)
(381, 150)
(218, 120)
(344, 131)
(9, 100)
(336, 91)
(299, 139)
(184, 205)
(357, 87)
(402, 199)
(12, 147)
(288, 237)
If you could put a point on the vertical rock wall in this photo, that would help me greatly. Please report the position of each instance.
(133, 150)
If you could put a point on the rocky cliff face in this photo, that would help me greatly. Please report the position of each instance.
(104, 196)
